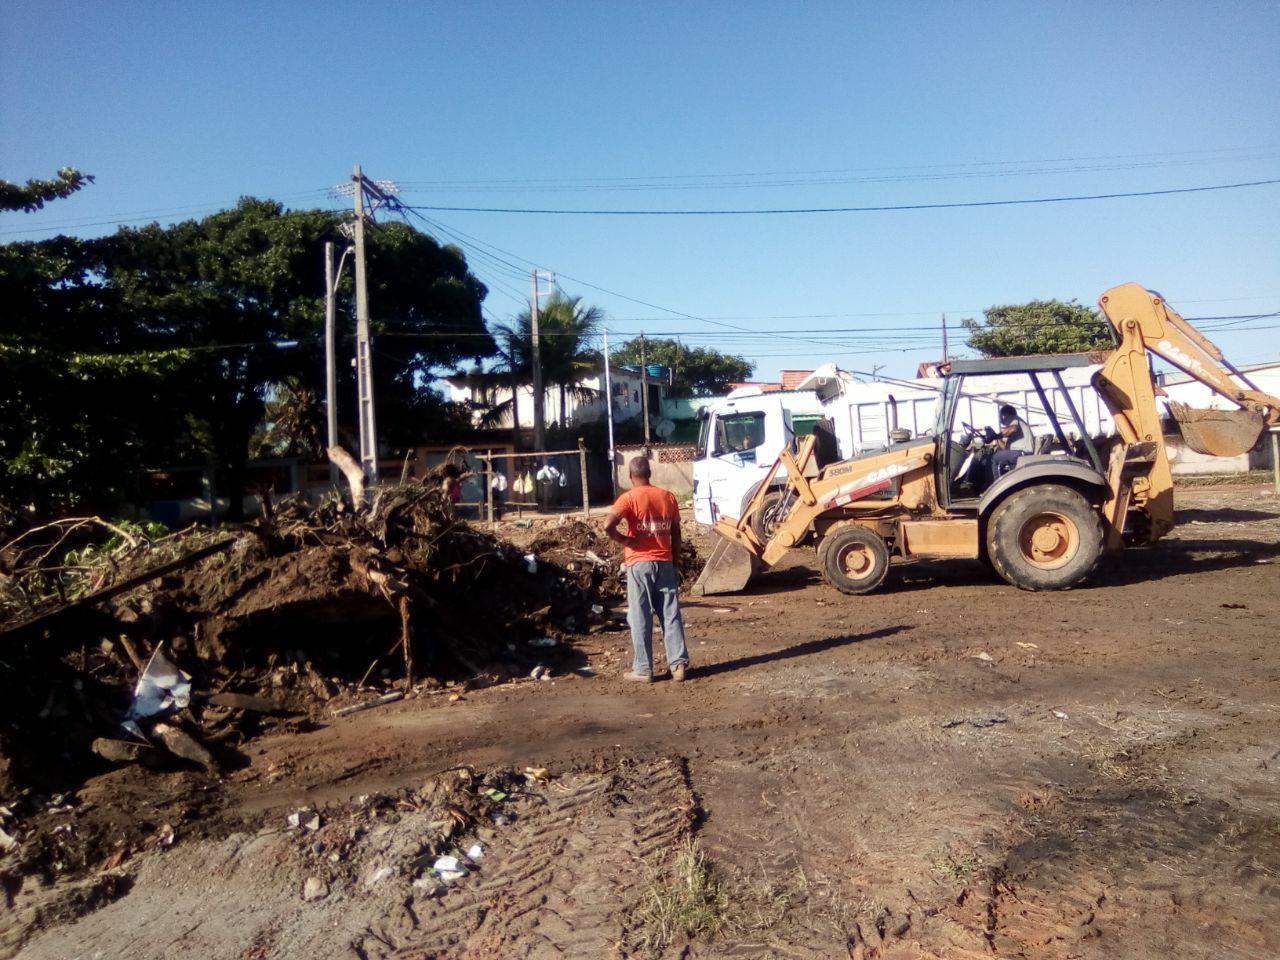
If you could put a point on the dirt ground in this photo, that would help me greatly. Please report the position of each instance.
(946, 768)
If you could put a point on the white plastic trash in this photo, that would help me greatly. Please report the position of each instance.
(475, 853)
(449, 869)
(161, 688)
(531, 563)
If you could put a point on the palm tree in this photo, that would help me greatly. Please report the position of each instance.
(566, 327)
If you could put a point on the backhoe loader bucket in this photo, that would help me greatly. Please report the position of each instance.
(728, 569)
(1217, 433)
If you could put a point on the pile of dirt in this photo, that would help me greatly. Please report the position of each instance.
(595, 561)
(283, 622)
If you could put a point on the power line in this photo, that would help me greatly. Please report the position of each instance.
(841, 170)
(762, 211)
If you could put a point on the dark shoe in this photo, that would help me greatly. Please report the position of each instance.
(677, 673)
(638, 677)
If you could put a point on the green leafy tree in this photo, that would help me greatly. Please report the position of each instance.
(697, 372)
(34, 194)
(1041, 326)
(160, 344)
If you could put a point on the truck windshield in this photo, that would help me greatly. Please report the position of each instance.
(739, 432)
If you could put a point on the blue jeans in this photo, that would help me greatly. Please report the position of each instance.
(652, 587)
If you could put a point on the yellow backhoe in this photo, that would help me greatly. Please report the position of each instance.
(1043, 523)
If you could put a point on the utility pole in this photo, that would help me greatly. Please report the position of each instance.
(364, 359)
(539, 425)
(945, 357)
(608, 410)
(644, 390)
(331, 276)
(330, 369)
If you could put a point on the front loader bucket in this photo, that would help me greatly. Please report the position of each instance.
(1217, 433)
(728, 569)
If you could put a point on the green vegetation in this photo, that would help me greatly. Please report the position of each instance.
(697, 372)
(1041, 326)
(196, 342)
(683, 899)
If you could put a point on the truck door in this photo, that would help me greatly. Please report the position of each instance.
(739, 458)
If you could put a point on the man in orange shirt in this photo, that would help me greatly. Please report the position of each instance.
(650, 546)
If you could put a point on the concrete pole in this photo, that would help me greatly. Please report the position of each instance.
(608, 409)
(644, 391)
(539, 414)
(364, 351)
(330, 360)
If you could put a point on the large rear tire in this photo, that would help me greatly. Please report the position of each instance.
(853, 559)
(1047, 537)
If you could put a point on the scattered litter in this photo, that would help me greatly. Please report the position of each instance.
(597, 609)
(369, 705)
(1025, 645)
(7, 843)
(984, 657)
(502, 819)
(304, 818)
(544, 642)
(449, 869)
(314, 888)
(531, 563)
(475, 852)
(540, 672)
(537, 774)
(161, 688)
(455, 697)
(723, 609)
(1262, 561)
(494, 794)
(1060, 714)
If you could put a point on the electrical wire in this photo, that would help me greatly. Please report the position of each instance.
(764, 211)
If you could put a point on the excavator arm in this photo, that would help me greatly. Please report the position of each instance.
(1166, 334)
(1139, 474)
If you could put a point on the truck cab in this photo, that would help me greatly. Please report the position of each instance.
(738, 441)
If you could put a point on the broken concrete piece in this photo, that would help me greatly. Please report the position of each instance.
(182, 744)
(245, 701)
(118, 751)
(314, 888)
(357, 707)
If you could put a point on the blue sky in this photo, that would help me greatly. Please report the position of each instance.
(178, 109)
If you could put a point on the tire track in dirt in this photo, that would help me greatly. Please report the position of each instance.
(559, 885)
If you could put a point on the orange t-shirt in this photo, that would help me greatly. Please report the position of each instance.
(651, 513)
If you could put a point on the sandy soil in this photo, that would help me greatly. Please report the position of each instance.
(947, 768)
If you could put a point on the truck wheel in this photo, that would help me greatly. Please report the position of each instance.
(853, 559)
(764, 522)
(1044, 538)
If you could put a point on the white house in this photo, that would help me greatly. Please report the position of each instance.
(584, 404)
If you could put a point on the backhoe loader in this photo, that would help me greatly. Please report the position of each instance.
(1043, 524)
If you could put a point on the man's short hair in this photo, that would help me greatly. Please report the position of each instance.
(640, 467)
(1007, 413)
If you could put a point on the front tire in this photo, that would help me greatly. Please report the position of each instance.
(1047, 537)
(764, 522)
(853, 559)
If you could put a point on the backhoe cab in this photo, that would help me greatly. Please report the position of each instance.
(1040, 518)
